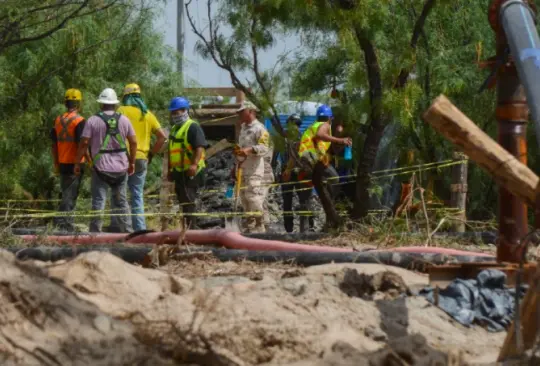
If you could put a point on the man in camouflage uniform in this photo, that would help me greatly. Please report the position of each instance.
(253, 146)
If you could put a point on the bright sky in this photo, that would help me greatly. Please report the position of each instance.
(206, 73)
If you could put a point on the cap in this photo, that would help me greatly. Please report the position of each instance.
(247, 105)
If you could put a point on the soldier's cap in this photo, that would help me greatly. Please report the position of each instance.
(247, 105)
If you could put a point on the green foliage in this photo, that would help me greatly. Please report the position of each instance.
(455, 37)
(106, 49)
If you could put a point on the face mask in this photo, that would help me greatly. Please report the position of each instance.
(179, 119)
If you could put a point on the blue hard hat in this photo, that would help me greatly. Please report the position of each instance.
(178, 103)
(324, 111)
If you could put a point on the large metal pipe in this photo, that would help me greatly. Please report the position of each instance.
(518, 91)
(512, 135)
(517, 20)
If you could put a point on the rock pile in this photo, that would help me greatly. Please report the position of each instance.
(214, 201)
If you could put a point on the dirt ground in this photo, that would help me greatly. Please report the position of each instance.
(99, 310)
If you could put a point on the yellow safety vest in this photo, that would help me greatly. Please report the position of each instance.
(180, 150)
(307, 144)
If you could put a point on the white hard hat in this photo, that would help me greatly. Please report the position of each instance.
(108, 96)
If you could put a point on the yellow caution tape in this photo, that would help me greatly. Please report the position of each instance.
(402, 171)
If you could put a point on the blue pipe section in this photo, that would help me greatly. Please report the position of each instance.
(517, 20)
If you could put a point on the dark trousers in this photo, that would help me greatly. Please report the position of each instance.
(324, 179)
(187, 189)
(69, 185)
(347, 184)
(304, 193)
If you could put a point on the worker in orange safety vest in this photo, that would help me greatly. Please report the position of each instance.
(65, 135)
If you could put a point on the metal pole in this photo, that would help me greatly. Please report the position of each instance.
(180, 38)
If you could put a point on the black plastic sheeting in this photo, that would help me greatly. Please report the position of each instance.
(136, 254)
(484, 300)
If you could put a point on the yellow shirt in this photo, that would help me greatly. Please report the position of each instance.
(144, 128)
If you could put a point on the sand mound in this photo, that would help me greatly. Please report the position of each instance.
(44, 323)
(315, 316)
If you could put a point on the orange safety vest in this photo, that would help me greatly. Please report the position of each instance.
(65, 126)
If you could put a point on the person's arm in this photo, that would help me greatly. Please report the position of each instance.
(262, 146)
(323, 134)
(160, 141)
(197, 139)
(198, 155)
(78, 135)
(158, 132)
(132, 152)
(132, 141)
(81, 150)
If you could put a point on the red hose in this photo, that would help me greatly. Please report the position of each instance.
(227, 239)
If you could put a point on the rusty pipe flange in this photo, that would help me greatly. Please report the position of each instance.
(494, 11)
(515, 112)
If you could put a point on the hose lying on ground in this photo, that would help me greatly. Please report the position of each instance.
(415, 260)
(489, 237)
(220, 237)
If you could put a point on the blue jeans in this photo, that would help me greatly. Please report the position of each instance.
(135, 184)
(118, 196)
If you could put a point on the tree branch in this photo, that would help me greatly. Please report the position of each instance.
(47, 33)
(373, 71)
(218, 56)
(117, 34)
(11, 34)
(417, 31)
(260, 81)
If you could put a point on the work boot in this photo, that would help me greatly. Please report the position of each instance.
(249, 225)
(259, 226)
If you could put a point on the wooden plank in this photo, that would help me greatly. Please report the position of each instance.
(220, 106)
(528, 321)
(223, 112)
(220, 146)
(223, 91)
(505, 169)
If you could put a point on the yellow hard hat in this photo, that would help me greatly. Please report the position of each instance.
(132, 89)
(73, 94)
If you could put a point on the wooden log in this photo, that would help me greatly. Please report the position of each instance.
(505, 169)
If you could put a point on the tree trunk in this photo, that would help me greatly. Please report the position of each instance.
(376, 129)
(365, 167)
